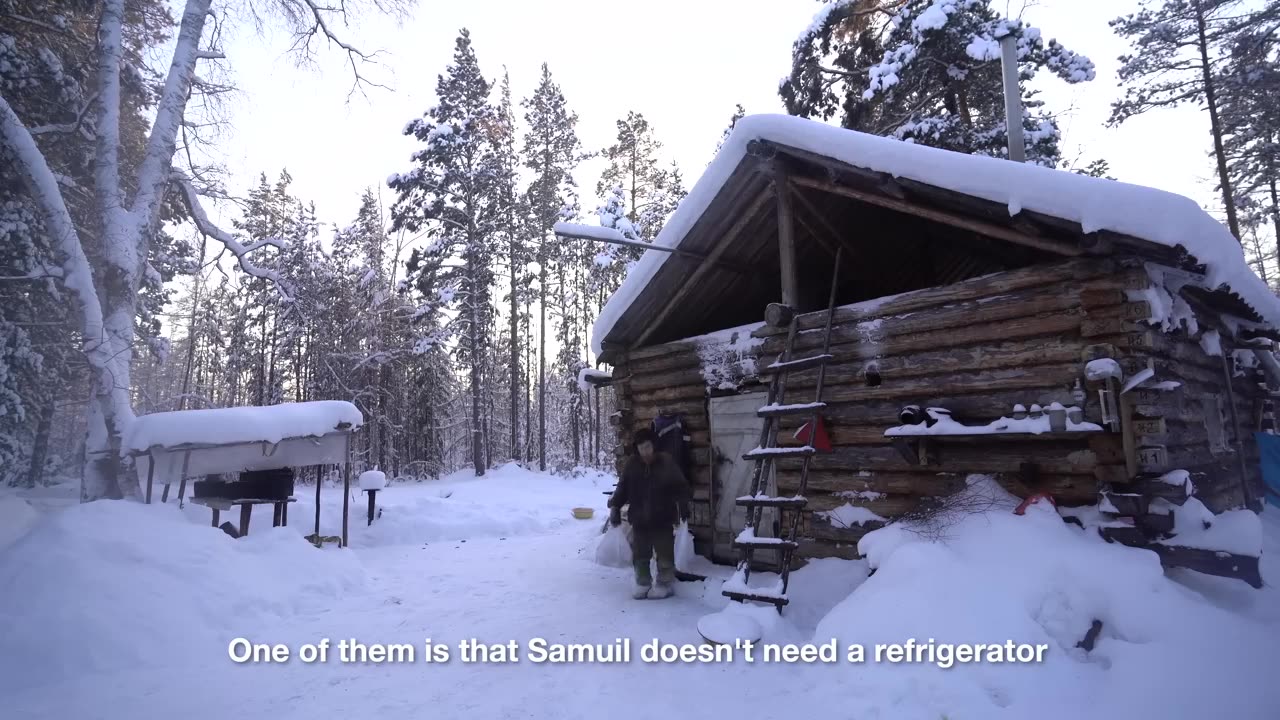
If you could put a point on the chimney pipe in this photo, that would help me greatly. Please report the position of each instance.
(1012, 98)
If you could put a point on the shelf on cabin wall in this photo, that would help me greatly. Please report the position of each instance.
(984, 437)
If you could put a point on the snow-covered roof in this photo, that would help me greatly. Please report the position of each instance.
(229, 426)
(1096, 204)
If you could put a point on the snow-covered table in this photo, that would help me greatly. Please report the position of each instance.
(191, 443)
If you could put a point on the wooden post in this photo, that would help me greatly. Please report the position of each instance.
(216, 515)
(1245, 491)
(182, 483)
(275, 514)
(786, 239)
(372, 494)
(151, 472)
(346, 490)
(284, 514)
(319, 472)
(246, 511)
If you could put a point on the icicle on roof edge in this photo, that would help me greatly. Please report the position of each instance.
(1096, 204)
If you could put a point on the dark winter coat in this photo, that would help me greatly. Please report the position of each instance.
(658, 493)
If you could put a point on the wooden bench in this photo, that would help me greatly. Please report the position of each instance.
(280, 516)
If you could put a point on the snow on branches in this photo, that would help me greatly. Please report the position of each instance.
(926, 71)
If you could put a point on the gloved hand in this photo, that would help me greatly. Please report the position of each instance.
(615, 517)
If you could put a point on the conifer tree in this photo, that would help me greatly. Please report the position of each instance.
(1249, 80)
(1177, 53)
(927, 71)
(514, 242)
(551, 151)
(452, 193)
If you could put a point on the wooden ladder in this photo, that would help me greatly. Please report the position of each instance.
(766, 451)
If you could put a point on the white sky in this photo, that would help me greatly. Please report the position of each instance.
(683, 63)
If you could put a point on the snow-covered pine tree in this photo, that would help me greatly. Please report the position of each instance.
(361, 353)
(513, 234)
(269, 222)
(551, 152)
(928, 71)
(634, 166)
(1177, 52)
(453, 194)
(739, 112)
(829, 60)
(1249, 81)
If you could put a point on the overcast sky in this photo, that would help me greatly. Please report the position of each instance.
(683, 63)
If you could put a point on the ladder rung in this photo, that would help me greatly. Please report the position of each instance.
(777, 452)
(765, 597)
(786, 410)
(801, 364)
(766, 501)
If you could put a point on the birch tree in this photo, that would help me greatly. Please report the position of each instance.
(129, 203)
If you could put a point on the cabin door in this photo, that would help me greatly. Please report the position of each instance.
(735, 430)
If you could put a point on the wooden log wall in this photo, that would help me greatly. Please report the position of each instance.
(977, 347)
(1189, 427)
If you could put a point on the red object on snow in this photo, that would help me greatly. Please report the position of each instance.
(1032, 500)
(822, 443)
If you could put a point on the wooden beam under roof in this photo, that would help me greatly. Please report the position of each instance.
(726, 240)
(985, 228)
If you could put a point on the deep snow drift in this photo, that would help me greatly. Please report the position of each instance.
(126, 611)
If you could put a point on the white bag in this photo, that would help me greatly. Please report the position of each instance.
(684, 548)
(614, 549)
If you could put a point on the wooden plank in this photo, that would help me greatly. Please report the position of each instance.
(1241, 567)
(958, 315)
(1048, 376)
(984, 228)
(900, 483)
(1069, 274)
(999, 355)
(1098, 297)
(888, 506)
(677, 387)
(814, 549)
(726, 241)
(820, 530)
(789, 279)
(850, 343)
(1053, 458)
(982, 407)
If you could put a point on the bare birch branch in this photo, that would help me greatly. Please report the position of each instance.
(208, 229)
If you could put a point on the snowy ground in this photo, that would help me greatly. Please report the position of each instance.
(116, 610)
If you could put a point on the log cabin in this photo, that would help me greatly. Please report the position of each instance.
(1099, 344)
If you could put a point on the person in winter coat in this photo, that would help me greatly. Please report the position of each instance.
(658, 493)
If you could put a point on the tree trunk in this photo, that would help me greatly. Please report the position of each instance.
(191, 333)
(1210, 96)
(524, 387)
(40, 448)
(477, 434)
(542, 367)
(1275, 207)
(515, 355)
